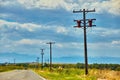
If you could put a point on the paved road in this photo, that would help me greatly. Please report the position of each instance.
(20, 75)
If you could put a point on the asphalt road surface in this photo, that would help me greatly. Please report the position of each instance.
(20, 75)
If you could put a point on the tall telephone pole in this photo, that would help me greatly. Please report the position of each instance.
(50, 43)
(84, 26)
(42, 53)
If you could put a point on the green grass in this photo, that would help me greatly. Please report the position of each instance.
(66, 74)
(78, 74)
(9, 68)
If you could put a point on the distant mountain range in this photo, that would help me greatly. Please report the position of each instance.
(9, 57)
(76, 59)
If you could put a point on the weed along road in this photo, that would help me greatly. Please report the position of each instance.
(20, 75)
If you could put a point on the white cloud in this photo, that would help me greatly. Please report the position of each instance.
(8, 2)
(110, 6)
(6, 26)
(47, 4)
(116, 42)
(4, 15)
(69, 45)
(59, 45)
(105, 31)
(31, 42)
(91, 46)
(61, 30)
(114, 7)
(28, 26)
(31, 27)
(22, 46)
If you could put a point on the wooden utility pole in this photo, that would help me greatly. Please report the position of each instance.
(50, 43)
(84, 26)
(42, 53)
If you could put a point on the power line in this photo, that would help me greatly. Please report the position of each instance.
(83, 24)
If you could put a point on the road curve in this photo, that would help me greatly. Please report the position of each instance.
(20, 75)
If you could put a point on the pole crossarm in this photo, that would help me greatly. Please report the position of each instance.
(83, 20)
(83, 26)
(42, 51)
(83, 11)
(50, 43)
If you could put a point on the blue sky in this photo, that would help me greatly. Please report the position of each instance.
(27, 25)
